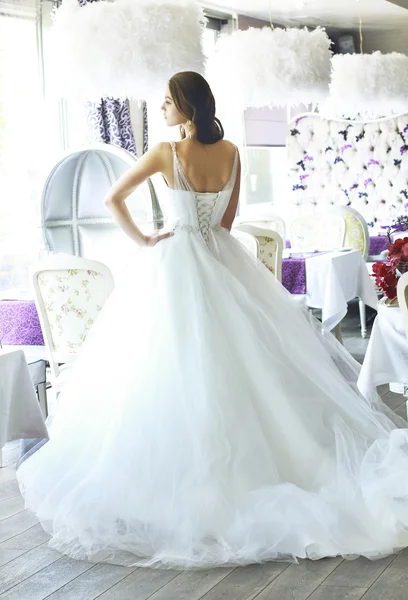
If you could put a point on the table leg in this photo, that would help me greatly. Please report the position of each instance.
(363, 318)
(405, 394)
(42, 398)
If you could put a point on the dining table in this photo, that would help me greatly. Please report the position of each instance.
(386, 358)
(21, 415)
(328, 281)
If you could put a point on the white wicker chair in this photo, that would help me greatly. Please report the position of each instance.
(270, 246)
(69, 293)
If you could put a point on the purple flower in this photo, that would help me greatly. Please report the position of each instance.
(354, 186)
(302, 177)
(301, 119)
(343, 148)
(373, 162)
(403, 149)
(405, 128)
(367, 181)
(398, 227)
(307, 157)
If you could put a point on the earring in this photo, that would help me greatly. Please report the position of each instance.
(189, 125)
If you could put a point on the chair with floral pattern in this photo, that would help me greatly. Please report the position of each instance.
(357, 236)
(69, 294)
(248, 241)
(269, 220)
(270, 246)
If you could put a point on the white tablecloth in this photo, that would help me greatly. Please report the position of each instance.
(20, 413)
(386, 359)
(335, 278)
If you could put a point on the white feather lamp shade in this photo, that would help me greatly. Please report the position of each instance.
(367, 86)
(265, 67)
(126, 48)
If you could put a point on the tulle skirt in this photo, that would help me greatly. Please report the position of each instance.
(209, 421)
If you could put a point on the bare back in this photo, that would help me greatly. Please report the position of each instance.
(207, 166)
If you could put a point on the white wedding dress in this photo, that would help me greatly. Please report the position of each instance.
(209, 421)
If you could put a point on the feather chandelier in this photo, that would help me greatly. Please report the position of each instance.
(125, 48)
(271, 67)
(367, 86)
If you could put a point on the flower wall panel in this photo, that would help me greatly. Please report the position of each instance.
(349, 163)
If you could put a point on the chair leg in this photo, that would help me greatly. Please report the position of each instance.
(362, 309)
(337, 332)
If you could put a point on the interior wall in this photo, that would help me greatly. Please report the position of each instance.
(390, 40)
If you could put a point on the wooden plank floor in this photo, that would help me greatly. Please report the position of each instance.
(29, 570)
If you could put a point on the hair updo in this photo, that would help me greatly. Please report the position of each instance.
(194, 99)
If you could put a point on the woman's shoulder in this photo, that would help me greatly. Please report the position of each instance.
(230, 145)
(163, 146)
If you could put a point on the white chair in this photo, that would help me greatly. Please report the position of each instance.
(357, 238)
(69, 293)
(248, 241)
(268, 220)
(319, 231)
(270, 247)
(402, 295)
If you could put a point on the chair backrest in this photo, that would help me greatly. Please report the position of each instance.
(268, 220)
(270, 247)
(69, 293)
(357, 236)
(319, 231)
(74, 217)
(248, 241)
(402, 294)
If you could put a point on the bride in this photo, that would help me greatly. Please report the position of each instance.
(208, 420)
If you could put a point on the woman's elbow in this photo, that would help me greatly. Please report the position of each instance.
(111, 200)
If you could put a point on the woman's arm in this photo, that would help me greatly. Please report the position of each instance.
(152, 162)
(229, 214)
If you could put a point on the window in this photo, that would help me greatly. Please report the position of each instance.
(20, 107)
(264, 181)
(29, 141)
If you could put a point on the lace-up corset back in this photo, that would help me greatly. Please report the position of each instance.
(198, 211)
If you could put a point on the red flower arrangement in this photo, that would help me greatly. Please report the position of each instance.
(386, 273)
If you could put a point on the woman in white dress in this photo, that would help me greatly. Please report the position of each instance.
(208, 421)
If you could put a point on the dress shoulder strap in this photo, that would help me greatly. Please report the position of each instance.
(173, 148)
(180, 180)
(233, 177)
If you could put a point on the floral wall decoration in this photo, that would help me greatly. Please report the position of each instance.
(351, 163)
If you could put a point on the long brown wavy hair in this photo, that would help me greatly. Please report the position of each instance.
(194, 100)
